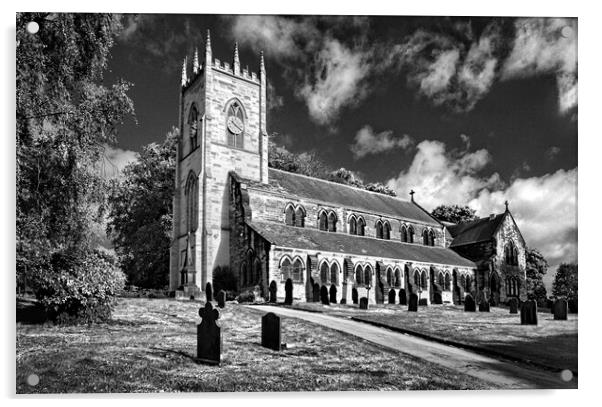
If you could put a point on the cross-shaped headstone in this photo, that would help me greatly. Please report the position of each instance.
(209, 337)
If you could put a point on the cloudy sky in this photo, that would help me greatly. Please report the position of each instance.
(462, 110)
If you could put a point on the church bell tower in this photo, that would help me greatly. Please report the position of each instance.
(222, 128)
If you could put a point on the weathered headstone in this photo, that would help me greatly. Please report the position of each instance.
(403, 300)
(484, 306)
(316, 292)
(208, 292)
(270, 331)
(333, 294)
(413, 303)
(513, 304)
(363, 303)
(324, 295)
(288, 292)
(561, 309)
(354, 296)
(392, 296)
(422, 302)
(343, 301)
(209, 336)
(221, 299)
(437, 298)
(528, 313)
(273, 291)
(469, 304)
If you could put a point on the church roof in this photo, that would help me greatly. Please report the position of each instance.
(312, 239)
(301, 186)
(475, 231)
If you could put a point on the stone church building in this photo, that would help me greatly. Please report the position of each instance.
(270, 226)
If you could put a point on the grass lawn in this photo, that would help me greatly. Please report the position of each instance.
(551, 343)
(150, 344)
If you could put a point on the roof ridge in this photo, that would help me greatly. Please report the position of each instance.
(338, 183)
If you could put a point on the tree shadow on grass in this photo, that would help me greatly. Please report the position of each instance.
(30, 312)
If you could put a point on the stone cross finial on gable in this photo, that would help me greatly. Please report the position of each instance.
(506, 203)
(412, 195)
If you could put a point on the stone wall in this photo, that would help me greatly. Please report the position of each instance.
(507, 232)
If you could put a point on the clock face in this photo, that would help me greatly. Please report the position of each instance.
(235, 125)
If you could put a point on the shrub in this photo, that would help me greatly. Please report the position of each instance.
(246, 296)
(224, 279)
(78, 287)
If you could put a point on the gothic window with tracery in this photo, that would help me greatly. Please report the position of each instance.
(193, 126)
(235, 125)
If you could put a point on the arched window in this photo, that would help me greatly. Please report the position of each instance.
(235, 125)
(411, 234)
(368, 275)
(511, 254)
(440, 279)
(323, 221)
(463, 281)
(193, 123)
(192, 202)
(431, 238)
(425, 237)
(423, 281)
(361, 226)
(243, 274)
(332, 222)
(300, 216)
(447, 282)
(468, 283)
(257, 272)
(389, 276)
(417, 278)
(359, 275)
(285, 269)
(397, 278)
(404, 233)
(386, 231)
(334, 273)
(289, 215)
(352, 225)
(297, 271)
(324, 273)
(379, 229)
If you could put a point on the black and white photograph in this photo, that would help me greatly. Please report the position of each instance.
(275, 203)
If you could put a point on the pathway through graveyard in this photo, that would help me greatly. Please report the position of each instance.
(501, 372)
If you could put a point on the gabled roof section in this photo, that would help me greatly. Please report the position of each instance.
(312, 239)
(327, 192)
(478, 230)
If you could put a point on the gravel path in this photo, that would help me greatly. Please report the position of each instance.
(503, 373)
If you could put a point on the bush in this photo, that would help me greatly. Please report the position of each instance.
(246, 296)
(224, 279)
(78, 287)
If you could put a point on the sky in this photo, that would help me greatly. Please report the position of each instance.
(469, 111)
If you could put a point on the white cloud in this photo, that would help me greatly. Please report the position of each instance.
(367, 142)
(545, 209)
(546, 45)
(115, 160)
(440, 177)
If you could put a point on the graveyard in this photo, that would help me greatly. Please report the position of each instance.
(151, 346)
(549, 344)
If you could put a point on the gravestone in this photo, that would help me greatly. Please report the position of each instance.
(316, 292)
(403, 300)
(273, 291)
(413, 304)
(209, 336)
(513, 304)
(484, 306)
(422, 302)
(288, 292)
(528, 313)
(221, 299)
(343, 301)
(437, 299)
(469, 304)
(391, 296)
(324, 295)
(354, 296)
(363, 303)
(208, 293)
(561, 309)
(270, 331)
(333, 294)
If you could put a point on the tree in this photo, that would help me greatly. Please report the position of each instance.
(454, 213)
(537, 267)
(565, 282)
(65, 117)
(141, 215)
